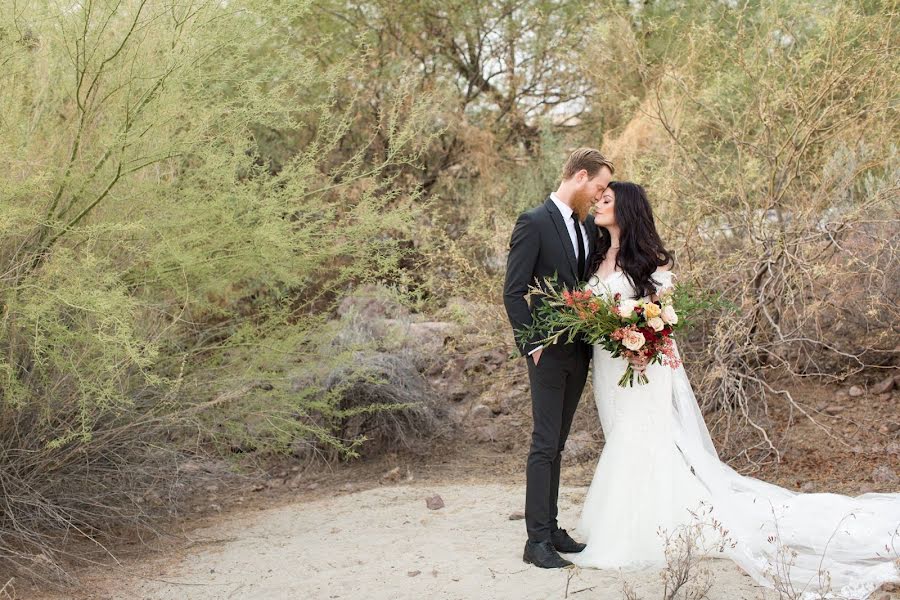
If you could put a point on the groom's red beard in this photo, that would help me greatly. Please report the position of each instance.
(581, 204)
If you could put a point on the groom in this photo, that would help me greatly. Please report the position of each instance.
(556, 238)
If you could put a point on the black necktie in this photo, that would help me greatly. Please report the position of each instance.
(580, 243)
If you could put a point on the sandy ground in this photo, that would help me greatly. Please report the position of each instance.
(384, 543)
(325, 540)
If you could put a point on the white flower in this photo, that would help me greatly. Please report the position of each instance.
(656, 323)
(626, 308)
(669, 315)
(633, 340)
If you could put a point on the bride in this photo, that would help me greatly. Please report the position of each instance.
(659, 465)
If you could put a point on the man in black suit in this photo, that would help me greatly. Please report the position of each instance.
(556, 238)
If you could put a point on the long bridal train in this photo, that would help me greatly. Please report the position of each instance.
(659, 464)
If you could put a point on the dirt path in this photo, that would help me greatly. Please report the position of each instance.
(327, 540)
(384, 543)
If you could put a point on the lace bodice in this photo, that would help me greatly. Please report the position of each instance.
(618, 282)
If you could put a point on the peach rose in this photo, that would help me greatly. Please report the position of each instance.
(656, 323)
(633, 340)
(669, 315)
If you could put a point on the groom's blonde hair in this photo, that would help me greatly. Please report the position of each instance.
(588, 159)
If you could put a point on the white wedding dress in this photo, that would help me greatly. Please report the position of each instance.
(659, 465)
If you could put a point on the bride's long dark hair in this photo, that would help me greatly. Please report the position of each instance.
(641, 250)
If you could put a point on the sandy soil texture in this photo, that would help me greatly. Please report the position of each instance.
(384, 543)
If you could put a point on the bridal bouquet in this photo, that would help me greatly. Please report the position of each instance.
(627, 328)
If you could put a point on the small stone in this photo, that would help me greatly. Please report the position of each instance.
(889, 428)
(833, 409)
(216, 507)
(516, 516)
(413, 573)
(856, 391)
(486, 361)
(434, 502)
(312, 486)
(883, 386)
(258, 487)
(212, 489)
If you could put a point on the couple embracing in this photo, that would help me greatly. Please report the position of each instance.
(659, 469)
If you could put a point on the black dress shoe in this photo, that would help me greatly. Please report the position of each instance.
(543, 555)
(563, 543)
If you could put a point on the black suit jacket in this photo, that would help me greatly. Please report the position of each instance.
(540, 247)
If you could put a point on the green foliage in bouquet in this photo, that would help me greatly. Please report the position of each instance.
(557, 318)
(627, 328)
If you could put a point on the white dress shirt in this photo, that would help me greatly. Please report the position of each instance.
(570, 227)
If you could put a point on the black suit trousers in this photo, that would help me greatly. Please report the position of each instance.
(556, 385)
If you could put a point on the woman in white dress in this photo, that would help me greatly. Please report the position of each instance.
(659, 464)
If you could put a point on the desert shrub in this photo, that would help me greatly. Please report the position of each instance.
(184, 202)
(778, 186)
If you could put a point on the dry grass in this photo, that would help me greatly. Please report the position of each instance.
(685, 575)
(56, 497)
(385, 400)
